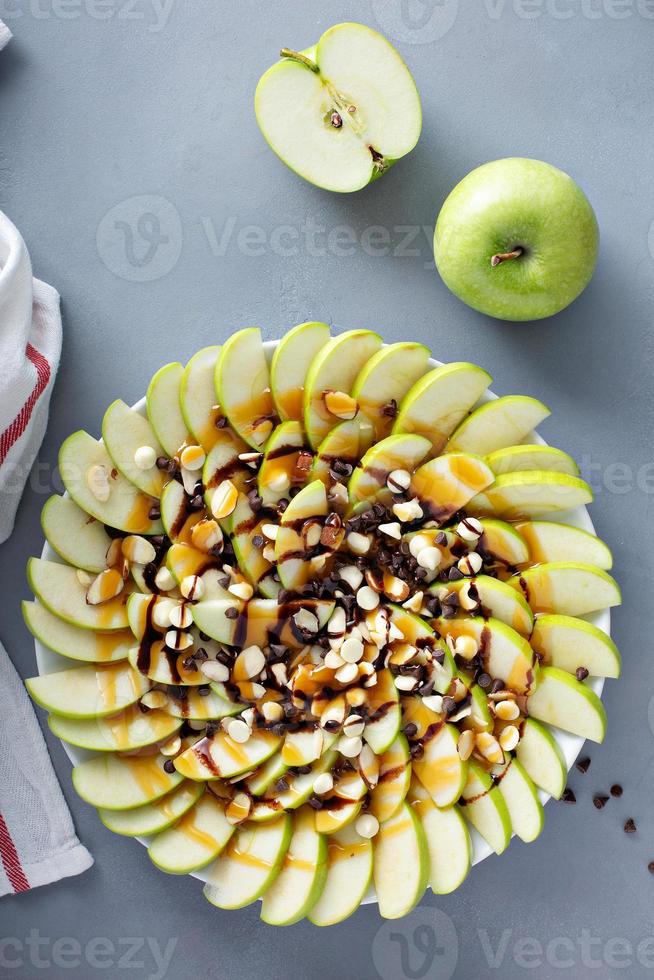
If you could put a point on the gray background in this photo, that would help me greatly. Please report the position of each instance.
(102, 104)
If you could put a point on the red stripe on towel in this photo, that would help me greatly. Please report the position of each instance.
(14, 431)
(11, 861)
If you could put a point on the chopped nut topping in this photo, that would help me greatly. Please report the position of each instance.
(224, 500)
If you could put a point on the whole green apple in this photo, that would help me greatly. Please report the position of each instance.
(516, 239)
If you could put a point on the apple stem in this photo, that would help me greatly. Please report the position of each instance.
(504, 256)
(302, 58)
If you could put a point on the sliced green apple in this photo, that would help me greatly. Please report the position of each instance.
(480, 719)
(88, 473)
(485, 808)
(243, 384)
(448, 840)
(531, 457)
(249, 864)
(198, 399)
(177, 519)
(278, 470)
(503, 541)
(77, 538)
(258, 620)
(302, 878)
(347, 442)
(392, 786)
(124, 431)
(60, 590)
(92, 691)
(440, 768)
(261, 780)
(152, 818)
(386, 379)
(114, 782)
(349, 872)
(440, 400)
(521, 798)
(200, 706)
(197, 838)
(506, 655)
(385, 716)
(334, 368)
(222, 463)
(336, 815)
(165, 666)
(532, 493)
(497, 599)
(570, 644)
(73, 642)
(499, 423)
(300, 785)
(401, 863)
(243, 526)
(561, 700)
(367, 484)
(131, 729)
(445, 484)
(549, 541)
(541, 757)
(567, 587)
(164, 411)
(290, 364)
(219, 756)
(303, 747)
(290, 547)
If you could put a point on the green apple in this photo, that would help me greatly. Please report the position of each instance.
(278, 469)
(445, 484)
(392, 786)
(347, 441)
(219, 756)
(567, 587)
(349, 871)
(531, 493)
(440, 769)
(549, 541)
(249, 864)
(497, 599)
(81, 460)
(506, 655)
(165, 667)
(303, 747)
(400, 864)
(262, 617)
(196, 706)
(448, 841)
(302, 878)
(152, 818)
(385, 716)
(92, 691)
(531, 457)
(124, 431)
(516, 239)
(164, 410)
(503, 542)
(521, 798)
(440, 400)
(569, 643)
(342, 112)
(198, 399)
(541, 757)
(197, 838)
(485, 808)
(367, 484)
(300, 785)
(331, 819)
(293, 566)
(289, 365)
(387, 377)
(74, 642)
(131, 729)
(114, 782)
(244, 525)
(78, 539)
(498, 424)
(334, 368)
(243, 385)
(176, 518)
(223, 463)
(561, 700)
(61, 592)
(260, 781)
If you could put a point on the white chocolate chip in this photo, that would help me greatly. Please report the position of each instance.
(279, 482)
(408, 511)
(154, 700)
(164, 579)
(138, 549)
(466, 647)
(304, 619)
(367, 598)
(242, 590)
(272, 711)
(404, 682)
(507, 710)
(337, 622)
(466, 601)
(172, 747)
(181, 616)
(323, 784)
(347, 673)
(351, 651)
(270, 531)
(97, 480)
(349, 747)
(417, 542)
(352, 575)
(161, 612)
(354, 726)
(358, 543)
(206, 535)
(367, 826)
(107, 585)
(392, 530)
(238, 730)
(178, 640)
(470, 529)
(398, 481)
(333, 660)
(470, 564)
(340, 404)
(429, 558)
(213, 670)
(509, 738)
(224, 500)
(145, 457)
(192, 587)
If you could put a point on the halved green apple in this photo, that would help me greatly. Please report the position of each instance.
(92, 691)
(531, 457)
(302, 878)
(249, 864)
(123, 732)
(445, 484)
(448, 840)
(123, 432)
(367, 484)
(532, 493)
(440, 768)
(349, 871)
(506, 655)
(341, 113)
(152, 818)
(278, 470)
(77, 538)
(485, 808)
(567, 587)
(521, 798)
(70, 641)
(243, 385)
(561, 700)
(541, 757)
(386, 379)
(197, 838)
(549, 541)
(198, 399)
(290, 364)
(502, 422)
(164, 411)
(401, 863)
(115, 782)
(570, 643)
(60, 590)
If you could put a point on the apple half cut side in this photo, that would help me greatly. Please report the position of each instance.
(341, 113)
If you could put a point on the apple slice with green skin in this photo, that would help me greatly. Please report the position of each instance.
(123, 432)
(506, 655)
(347, 442)
(164, 411)
(531, 493)
(244, 525)
(92, 691)
(561, 700)
(197, 838)
(480, 720)
(177, 519)
(485, 808)
(196, 706)
(415, 630)
(114, 782)
(569, 643)
(198, 400)
(386, 379)
(401, 863)
(567, 587)
(334, 368)
(499, 423)
(440, 768)
(278, 470)
(448, 841)
(439, 401)
(303, 747)
(242, 381)
(77, 538)
(300, 785)
(220, 757)
(222, 463)
(162, 666)
(541, 757)
(393, 783)
(152, 818)
(497, 599)
(349, 872)
(445, 484)
(291, 555)
(326, 115)
(290, 364)
(131, 729)
(548, 541)
(72, 642)
(367, 485)
(126, 509)
(534, 457)
(385, 716)
(260, 781)
(183, 560)
(504, 542)
(301, 880)
(521, 798)
(343, 805)
(259, 618)
(59, 589)
(249, 864)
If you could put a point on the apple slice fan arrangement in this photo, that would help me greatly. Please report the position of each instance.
(315, 617)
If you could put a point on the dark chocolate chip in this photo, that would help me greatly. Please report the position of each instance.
(581, 673)
(231, 613)
(568, 796)
(630, 826)
(583, 765)
(616, 790)
(599, 801)
(169, 766)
